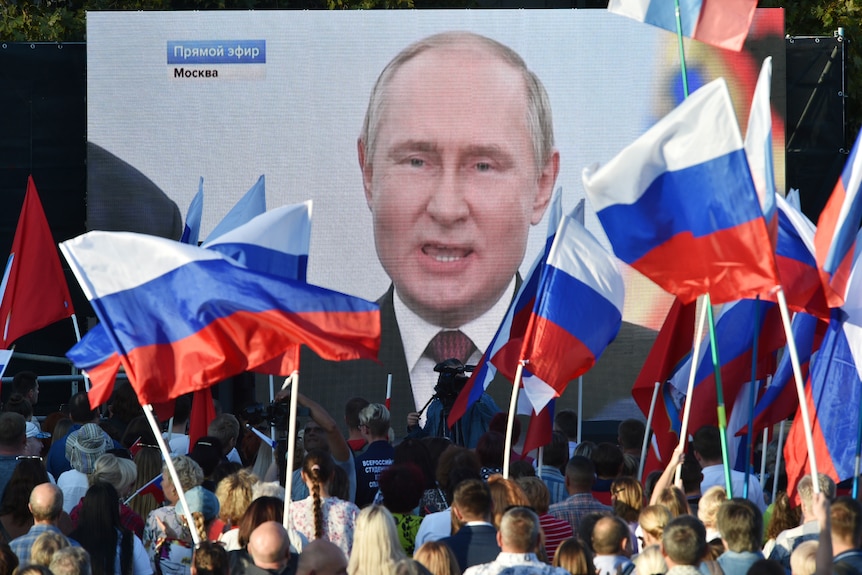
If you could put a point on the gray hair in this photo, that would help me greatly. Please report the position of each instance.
(539, 117)
(188, 471)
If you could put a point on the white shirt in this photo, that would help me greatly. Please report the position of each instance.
(74, 486)
(481, 331)
(177, 442)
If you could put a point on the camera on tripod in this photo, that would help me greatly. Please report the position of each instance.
(453, 376)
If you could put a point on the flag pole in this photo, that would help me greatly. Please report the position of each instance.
(172, 471)
(540, 461)
(719, 399)
(686, 410)
(293, 381)
(271, 399)
(778, 455)
(580, 405)
(763, 447)
(510, 422)
(752, 396)
(78, 339)
(800, 389)
(856, 465)
(388, 402)
(645, 445)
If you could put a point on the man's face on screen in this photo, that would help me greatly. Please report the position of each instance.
(452, 183)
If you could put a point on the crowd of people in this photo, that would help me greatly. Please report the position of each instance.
(86, 493)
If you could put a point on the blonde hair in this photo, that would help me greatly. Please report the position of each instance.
(188, 471)
(44, 547)
(119, 472)
(650, 561)
(628, 497)
(707, 507)
(235, 494)
(803, 560)
(575, 557)
(438, 558)
(505, 493)
(674, 499)
(376, 547)
(653, 519)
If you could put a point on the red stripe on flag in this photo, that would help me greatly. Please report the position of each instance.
(555, 355)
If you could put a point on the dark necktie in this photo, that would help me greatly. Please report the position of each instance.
(448, 344)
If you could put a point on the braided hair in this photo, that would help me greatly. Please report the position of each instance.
(318, 467)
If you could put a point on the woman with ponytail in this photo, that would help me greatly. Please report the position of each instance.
(321, 516)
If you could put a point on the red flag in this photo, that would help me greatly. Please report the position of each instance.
(203, 412)
(33, 292)
(540, 428)
(671, 347)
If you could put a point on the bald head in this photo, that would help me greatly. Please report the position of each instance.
(46, 503)
(320, 557)
(269, 546)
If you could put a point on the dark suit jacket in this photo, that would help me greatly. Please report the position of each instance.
(473, 545)
(333, 383)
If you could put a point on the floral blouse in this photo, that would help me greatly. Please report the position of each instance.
(339, 517)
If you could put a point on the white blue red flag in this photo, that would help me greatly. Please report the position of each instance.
(251, 205)
(835, 240)
(194, 215)
(220, 319)
(758, 143)
(722, 23)
(679, 204)
(578, 309)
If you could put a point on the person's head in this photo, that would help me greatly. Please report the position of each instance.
(189, 473)
(269, 546)
(27, 384)
(574, 557)
(766, 567)
(45, 545)
(18, 404)
(458, 160)
(376, 547)
(710, 502)
(803, 560)
(630, 435)
(806, 492)
(707, 445)
(653, 520)
(456, 458)
(415, 452)
(234, 494)
(580, 475)
(627, 497)
(210, 559)
(472, 501)
(260, 511)
(740, 524)
(566, 422)
(438, 558)
(182, 409)
(99, 509)
(611, 537)
(784, 515)
(557, 451)
(70, 561)
(34, 444)
(519, 531)
(13, 437)
(490, 448)
(85, 446)
(674, 499)
(684, 541)
(402, 486)
(504, 494)
(117, 471)
(847, 521)
(28, 474)
(8, 559)
(124, 403)
(226, 428)
(46, 503)
(204, 507)
(650, 561)
(314, 436)
(374, 422)
(33, 569)
(320, 557)
(608, 459)
(351, 412)
(79, 409)
(208, 452)
(537, 493)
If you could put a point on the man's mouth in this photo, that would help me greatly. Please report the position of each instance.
(446, 254)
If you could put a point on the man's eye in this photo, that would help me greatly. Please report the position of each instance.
(483, 167)
(417, 162)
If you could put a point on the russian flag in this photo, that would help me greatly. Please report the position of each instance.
(512, 327)
(758, 144)
(779, 401)
(833, 397)
(671, 348)
(734, 331)
(722, 23)
(95, 355)
(192, 228)
(578, 309)
(796, 262)
(679, 204)
(220, 318)
(837, 229)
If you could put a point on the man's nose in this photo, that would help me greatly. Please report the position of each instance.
(449, 200)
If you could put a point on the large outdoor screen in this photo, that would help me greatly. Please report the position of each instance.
(229, 96)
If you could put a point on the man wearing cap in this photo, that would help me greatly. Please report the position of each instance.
(83, 448)
(34, 445)
(13, 438)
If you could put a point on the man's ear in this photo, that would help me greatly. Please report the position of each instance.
(457, 513)
(499, 540)
(365, 167)
(545, 186)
